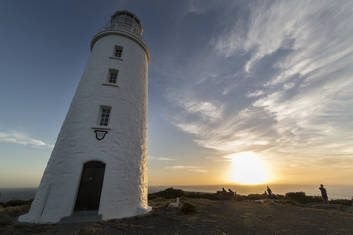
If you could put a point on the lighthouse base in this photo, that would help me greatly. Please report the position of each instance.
(82, 216)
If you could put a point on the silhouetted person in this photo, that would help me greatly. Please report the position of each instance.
(223, 190)
(323, 193)
(269, 191)
(230, 190)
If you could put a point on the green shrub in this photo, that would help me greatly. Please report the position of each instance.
(188, 208)
(89, 230)
(174, 193)
(168, 193)
(296, 196)
(17, 203)
(315, 199)
(278, 196)
(14, 211)
(344, 202)
(210, 196)
(256, 196)
(290, 202)
(5, 219)
(302, 198)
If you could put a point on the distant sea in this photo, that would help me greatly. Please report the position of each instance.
(334, 191)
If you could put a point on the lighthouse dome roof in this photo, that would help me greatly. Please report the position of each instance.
(126, 17)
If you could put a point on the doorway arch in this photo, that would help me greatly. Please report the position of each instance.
(90, 188)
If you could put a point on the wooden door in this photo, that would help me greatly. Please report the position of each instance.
(90, 189)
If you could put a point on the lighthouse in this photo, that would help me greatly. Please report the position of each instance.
(98, 167)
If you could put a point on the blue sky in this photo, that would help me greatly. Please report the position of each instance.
(271, 77)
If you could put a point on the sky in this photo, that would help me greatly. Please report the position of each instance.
(271, 79)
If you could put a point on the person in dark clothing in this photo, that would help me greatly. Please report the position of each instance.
(269, 191)
(323, 193)
(229, 190)
(223, 190)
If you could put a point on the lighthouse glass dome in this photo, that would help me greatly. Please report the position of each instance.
(126, 21)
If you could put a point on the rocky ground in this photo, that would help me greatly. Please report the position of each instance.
(268, 216)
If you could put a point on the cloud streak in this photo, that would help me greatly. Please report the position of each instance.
(22, 139)
(188, 168)
(161, 158)
(283, 77)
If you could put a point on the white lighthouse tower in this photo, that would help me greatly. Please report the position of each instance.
(98, 166)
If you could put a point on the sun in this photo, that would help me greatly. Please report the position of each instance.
(248, 168)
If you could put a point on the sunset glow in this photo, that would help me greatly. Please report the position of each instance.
(266, 84)
(248, 168)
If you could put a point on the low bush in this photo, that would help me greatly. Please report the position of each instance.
(14, 211)
(5, 219)
(258, 197)
(302, 198)
(279, 196)
(90, 230)
(290, 202)
(211, 196)
(174, 193)
(188, 208)
(168, 193)
(296, 196)
(315, 199)
(17, 203)
(344, 202)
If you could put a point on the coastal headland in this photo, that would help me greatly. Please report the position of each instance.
(206, 213)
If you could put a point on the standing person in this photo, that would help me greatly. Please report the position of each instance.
(323, 193)
(269, 191)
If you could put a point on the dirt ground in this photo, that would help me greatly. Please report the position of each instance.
(212, 217)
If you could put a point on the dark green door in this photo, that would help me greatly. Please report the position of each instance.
(90, 189)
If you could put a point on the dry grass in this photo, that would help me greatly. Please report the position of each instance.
(264, 216)
(14, 211)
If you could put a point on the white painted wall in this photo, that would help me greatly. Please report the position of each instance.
(123, 150)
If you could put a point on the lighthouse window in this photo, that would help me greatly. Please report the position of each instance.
(104, 117)
(113, 75)
(118, 50)
(128, 20)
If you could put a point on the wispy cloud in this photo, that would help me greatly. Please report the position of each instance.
(206, 110)
(188, 168)
(287, 71)
(161, 158)
(255, 93)
(23, 139)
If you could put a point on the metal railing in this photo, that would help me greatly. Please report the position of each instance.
(131, 29)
